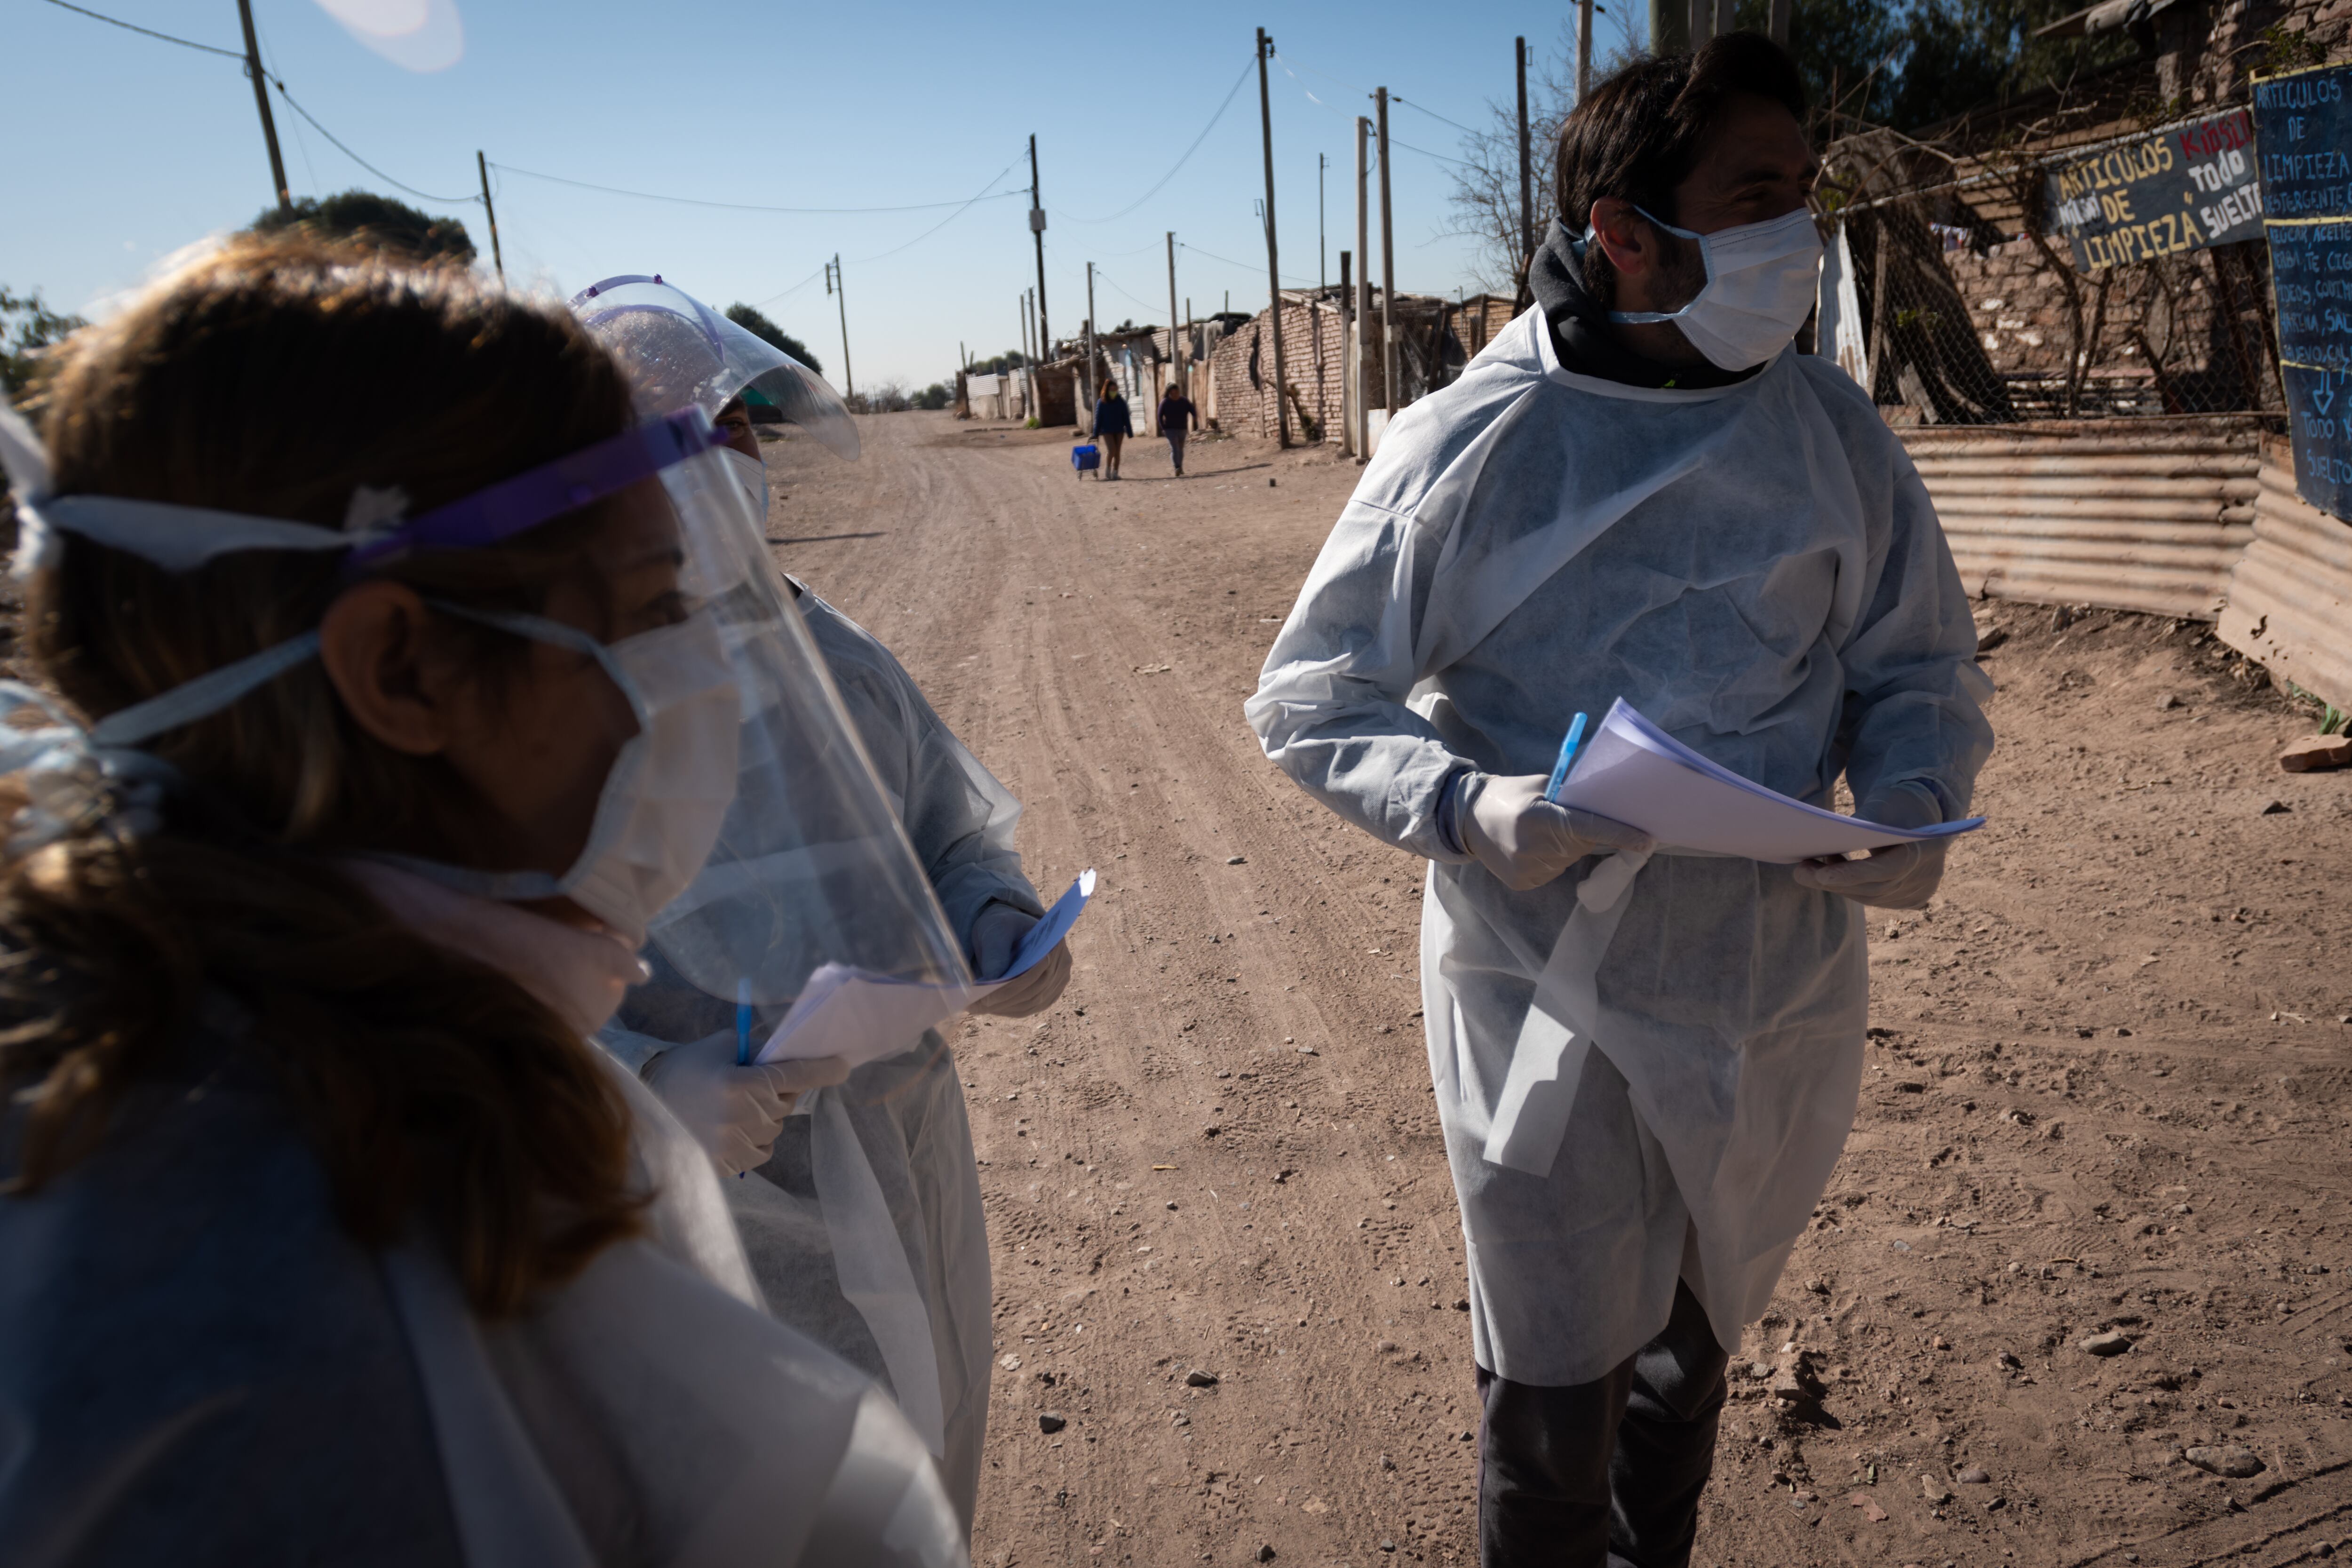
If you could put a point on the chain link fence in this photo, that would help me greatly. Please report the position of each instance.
(1959, 307)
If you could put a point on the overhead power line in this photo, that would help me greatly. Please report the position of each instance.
(236, 54)
(985, 195)
(742, 207)
(1247, 266)
(1195, 147)
(362, 162)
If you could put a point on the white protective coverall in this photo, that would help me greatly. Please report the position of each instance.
(864, 1228)
(1758, 569)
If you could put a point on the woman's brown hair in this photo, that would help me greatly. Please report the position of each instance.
(1110, 389)
(277, 379)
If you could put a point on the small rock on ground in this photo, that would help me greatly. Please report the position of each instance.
(1199, 1379)
(1049, 1422)
(1972, 1476)
(2107, 1344)
(2227, 1460)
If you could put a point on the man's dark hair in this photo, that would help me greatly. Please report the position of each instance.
(1637, 136)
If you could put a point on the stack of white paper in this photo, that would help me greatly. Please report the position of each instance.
(850, 1013)
(1634, 773)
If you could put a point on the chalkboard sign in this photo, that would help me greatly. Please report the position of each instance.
(2303, 128)
(2183, 189)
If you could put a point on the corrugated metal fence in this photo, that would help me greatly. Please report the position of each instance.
(2193, 519)
(2290, 597)
(2140, 519)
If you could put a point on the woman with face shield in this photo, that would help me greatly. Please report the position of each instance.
(390, 676)
(862, 1211)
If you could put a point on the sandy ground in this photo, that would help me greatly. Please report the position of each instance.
(2106, 1092)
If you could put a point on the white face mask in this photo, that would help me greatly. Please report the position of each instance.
(1762, 281)
(666, 795)
(751, 473)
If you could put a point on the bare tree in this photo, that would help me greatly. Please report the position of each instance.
(1485, 199)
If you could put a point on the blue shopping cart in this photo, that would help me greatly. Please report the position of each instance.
(1086, 460)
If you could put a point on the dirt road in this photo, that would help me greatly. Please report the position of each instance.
(2107, 1092)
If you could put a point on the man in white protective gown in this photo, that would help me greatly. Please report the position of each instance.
(1645, 1062)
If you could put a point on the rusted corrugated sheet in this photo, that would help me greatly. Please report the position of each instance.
(2142, 519)
(2291, 597)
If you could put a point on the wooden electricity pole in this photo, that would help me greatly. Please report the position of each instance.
(1584, 49)
(1175, 342)
(833, 286)
(261, 101)
(1273, 272)
(1356, 377)
(1526, 186)
(482, 167)
(1388, 265)
(1037, 232)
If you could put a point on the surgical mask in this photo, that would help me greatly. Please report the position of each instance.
(1762, 281)
(751, 473)
(667, 793)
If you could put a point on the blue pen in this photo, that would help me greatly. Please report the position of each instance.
(1566, 755)
(743, 1022)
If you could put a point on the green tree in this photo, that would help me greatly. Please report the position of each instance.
(28, 329)
(365, 218)
(935, 395)
(748, 317)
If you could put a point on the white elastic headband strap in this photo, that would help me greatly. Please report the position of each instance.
(176, 538)
(208, 693)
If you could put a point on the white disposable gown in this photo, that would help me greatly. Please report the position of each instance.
(1654, 1085)
(865, 1228)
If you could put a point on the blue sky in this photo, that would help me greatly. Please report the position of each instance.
(128, 148)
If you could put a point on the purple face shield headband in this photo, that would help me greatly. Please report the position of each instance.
(514, 506)
(180, 538)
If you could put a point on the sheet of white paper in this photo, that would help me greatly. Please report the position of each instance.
(1634, 773)
(844, 1012)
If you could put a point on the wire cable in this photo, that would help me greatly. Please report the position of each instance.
(1244, 266)
(1433, 115)
(934, 228)
(362, 162)
(1461, 162)
(236, 54)
(793, 289)
(737, 206)
(1195, 147)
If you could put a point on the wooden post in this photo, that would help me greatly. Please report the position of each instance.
(1273, 272)
(1388, 266)
(261, 101)
(1526, 185)
(1584, 49)
(482, 167)
(1356, 377)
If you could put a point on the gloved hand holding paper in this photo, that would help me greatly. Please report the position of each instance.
(862, 1017)
(1634, 773)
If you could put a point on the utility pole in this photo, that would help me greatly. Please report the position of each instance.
(1087, 375)
(482, 167)
(1584, 49)
(1388, 265)
(1348, 358)
(1037, 232)
(833, 286)
(1526, 186)
(1175, 349)
(1356, 378)
(1670, 31)
(261, 101)
(1701, 22)
(1322, 245)
(1779, 23)
(1273, 272)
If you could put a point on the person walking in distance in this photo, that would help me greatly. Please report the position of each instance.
(1178, 418)
(1113, 426)
(1647, 1061)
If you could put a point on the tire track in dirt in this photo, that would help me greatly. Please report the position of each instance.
(1009, 590)
(2107, 1088)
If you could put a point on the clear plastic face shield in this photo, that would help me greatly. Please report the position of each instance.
(678, 351)
(733, 690)
(812, 866)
